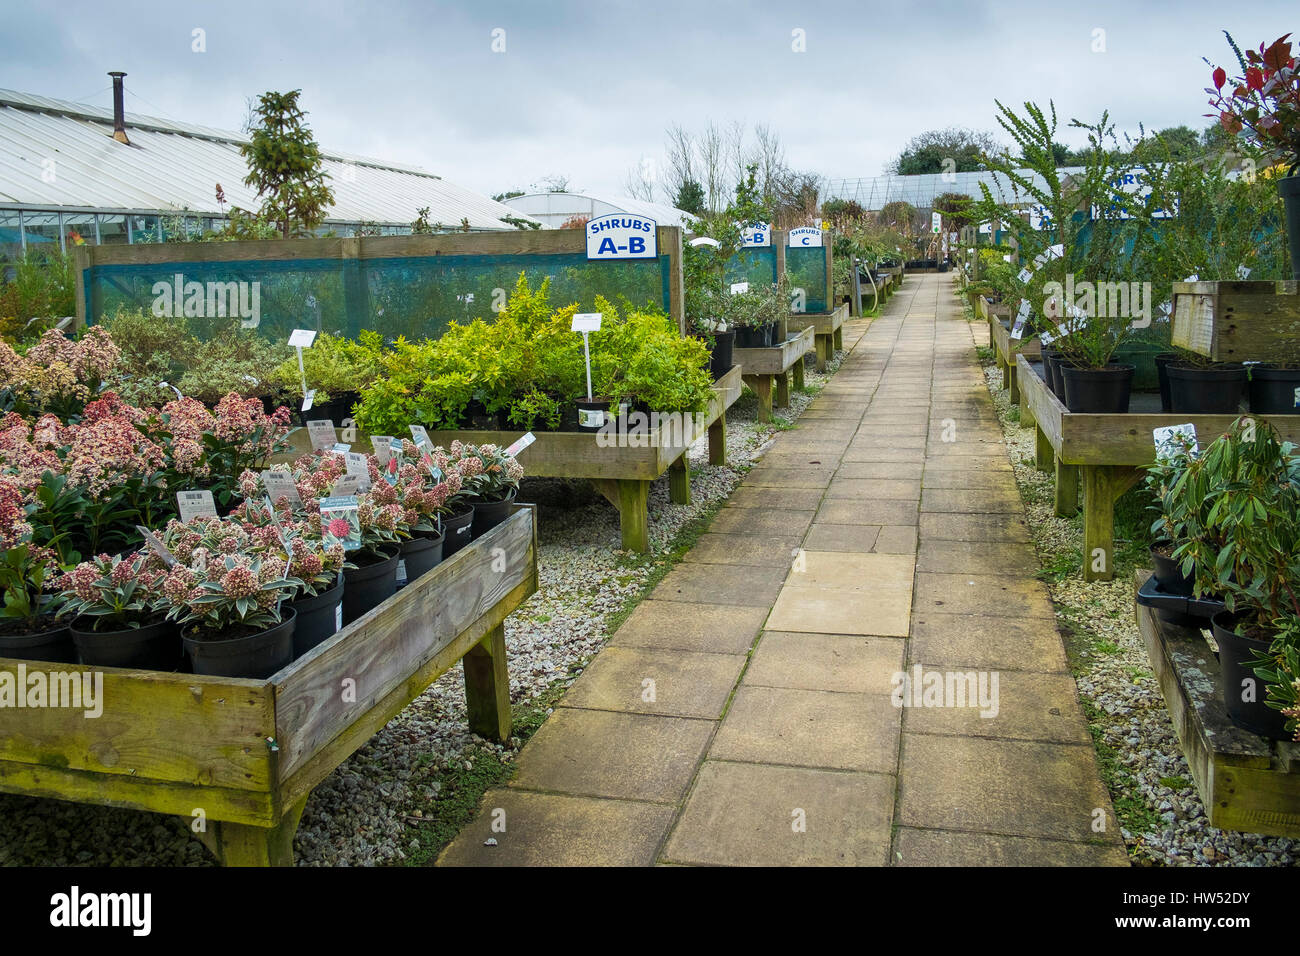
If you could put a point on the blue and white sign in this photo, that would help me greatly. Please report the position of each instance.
(621, 235)
(1129, 190)
(804, 236)
(757, 235)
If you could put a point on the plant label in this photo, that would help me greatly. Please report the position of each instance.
(321, 432)
(622, 236)
(1243, 273)
(383, 446)
(420, 435)
(434, 471)
(401, 572)
(339, 521)
(1025, 274)
(308, 398)
(280, 484)
(1174, 440)
(739, 288)
(522, 443)
(586, 322)
(279, 531)
(344, 485)
(195, 504)
(156, 546)
(1297, 398)
(338, 617)
(302, 338)
(359, 465)
(340, 448)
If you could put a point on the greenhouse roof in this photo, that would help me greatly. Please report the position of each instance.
(60, 155)
(555, 208)
(875, 192)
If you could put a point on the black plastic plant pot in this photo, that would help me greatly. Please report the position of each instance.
(338, 408)
(770, 329)
(257, 656)
(1288, 188)
(318, 618)
(720, 358)
(1206, 391)
(592, 415)
(1163, 361)
(1052, 364)
(751, 338)
(1169, 572)
(154, 647)
(1047, 354)
(369, 585)
(1243, 690)
(489, 514)
(420, 553)
(1100, 390)
(456, 530)
(53, 645)
(1274, 390)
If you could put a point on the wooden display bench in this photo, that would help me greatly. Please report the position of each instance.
(236, 758)
(621, 472)
(1005, 350)
(781, 362)
(827, 331)
(1238, 321)
(1246, 782)
(1103, 455)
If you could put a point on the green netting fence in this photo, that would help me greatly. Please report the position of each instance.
(411, 296)
(805, 268)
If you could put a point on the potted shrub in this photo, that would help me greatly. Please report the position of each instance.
(1175, 511)
(237, 361)
(423, 498)
(231, 605)
(1272, 388)
(709, 324)
(1092, 382)
(1263, 101)
(118, 613)
(491, 479)
(378, 536)
(337, 369)
(1247, 547)
(29, 629)
(1200, 386)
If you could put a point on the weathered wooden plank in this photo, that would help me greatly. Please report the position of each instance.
(256, 807)
(329, 689)
(679, 480)
(1067, 489)
(634, 519)
(718, 441)
(761, 385)
(1238, 321)
(823, 323)
(238, 844)
(778, 358)
(154, 726)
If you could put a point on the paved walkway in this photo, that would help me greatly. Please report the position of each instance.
(747, 712)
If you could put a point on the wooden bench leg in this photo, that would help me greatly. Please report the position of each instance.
(679, 481)
(487, 686)
(1027, 416)
(1013, 383)
(796, 372)
(837, 340)
(783, 390)
(1005, 366)
(241, 844)
(762, 387)
(718, 441)
(821, 343)
(1067, 489)
(633, 517)
(1102, 487)
(1043, 453)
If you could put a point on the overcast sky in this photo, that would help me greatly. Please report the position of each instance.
(586, 89)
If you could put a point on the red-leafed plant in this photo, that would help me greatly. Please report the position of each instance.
(1264, 100)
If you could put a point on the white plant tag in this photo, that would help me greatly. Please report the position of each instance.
(345, 485)
(1170, 440)
(156, 546)
(359, 465)
(420, 435)
(279, 484)
(321, 432)
(586, 322)
(382, 444)
(302, 338)
(738, 288)
(1243, 273)
(401, 571)
(195, 504)
(1025, 274)
(308, 399)
(338, 617)
(514, 450)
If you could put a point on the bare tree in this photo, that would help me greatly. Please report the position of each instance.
(640, 182)
(769, 156)
(712, 155)
(682, 162)
(554, 183)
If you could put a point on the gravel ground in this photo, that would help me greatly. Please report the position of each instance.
(1151, 783)
(364, 813)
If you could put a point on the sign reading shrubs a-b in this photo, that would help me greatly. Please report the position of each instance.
(621, 235)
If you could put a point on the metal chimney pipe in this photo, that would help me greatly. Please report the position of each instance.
(119, 111)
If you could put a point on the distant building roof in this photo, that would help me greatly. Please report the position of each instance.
(876, 192)
(60, 155)
(554, 209)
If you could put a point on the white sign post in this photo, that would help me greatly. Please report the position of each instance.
(303, 339)
(586, 322)
(936, 222)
